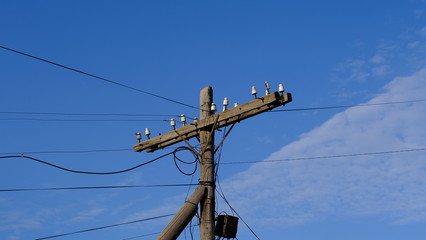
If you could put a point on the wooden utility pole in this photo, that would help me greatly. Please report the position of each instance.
(207, 167)
(204, 129)
(183, 216)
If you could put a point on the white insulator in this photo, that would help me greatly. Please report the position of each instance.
(195, 119)
(236, 104)
(147, 132)
(267, 87)
(225, 101)
(225, 104)
(213, 107)
(183, 119)
(138, 136)
(172, 122)
(253, 90)
(281, 88)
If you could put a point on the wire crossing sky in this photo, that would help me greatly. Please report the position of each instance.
(97, 77)
(343, 160)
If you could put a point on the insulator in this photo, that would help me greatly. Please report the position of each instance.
(213, 107)
(183, 119)
(236, 104)
(195, 120)
(253, 90)
(172, 122)
(281, 88)
(138, 136)
(147, 132)
(225, 101)
(267, 87)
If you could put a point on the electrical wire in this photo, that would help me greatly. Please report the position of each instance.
(96, 187)
(177, 159)
(325, 157)
(186, 198)
(239, 216)
(346, 106)
(98, 77)
(85, 172)
(218, 162)
(222, 163)
(68, 152)
(73, 151)
(108, 226)
(82, 120)
(221, 191)
(92, 114)
(170, 115)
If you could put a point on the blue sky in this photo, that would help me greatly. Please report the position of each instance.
(325, 53)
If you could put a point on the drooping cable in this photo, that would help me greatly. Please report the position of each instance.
(73, 151)
(86, 172)
(69, 151)
(108, 226)
(98, 77)
(177, 159)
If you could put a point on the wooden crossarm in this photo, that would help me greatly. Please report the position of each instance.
(224, 118)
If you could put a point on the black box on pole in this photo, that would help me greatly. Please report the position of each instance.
(226, 226)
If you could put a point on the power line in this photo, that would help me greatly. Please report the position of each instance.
(82, 120)
(346, 106)
(69, 151)
(108, 226)
(72, 151)
(324, 157)
(223, 163)
(86, 172)
(97, 187)
(95, 173)
(98, 77)
(221, 194)
(93, 114)
(216, 177)
(171, 115)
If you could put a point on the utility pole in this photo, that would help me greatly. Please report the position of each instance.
(204, 129)
(207, 167)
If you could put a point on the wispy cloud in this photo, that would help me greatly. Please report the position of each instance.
(391, 57)
(28, 219)
(87, 215)
(390, 186)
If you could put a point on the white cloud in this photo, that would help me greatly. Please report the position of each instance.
(390, 185)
